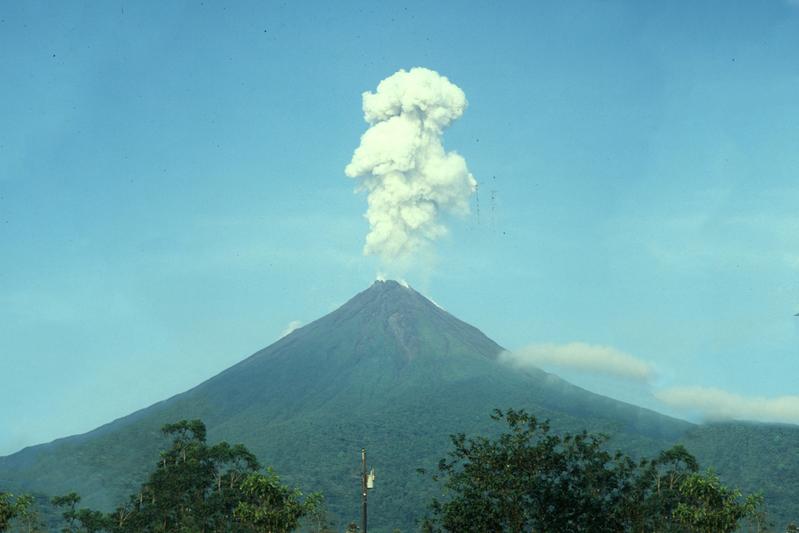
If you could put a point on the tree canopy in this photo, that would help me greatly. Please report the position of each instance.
(19, 510)
(199, 488)
(527, 479)
(530, 479)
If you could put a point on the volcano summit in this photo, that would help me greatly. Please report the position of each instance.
(390, 371)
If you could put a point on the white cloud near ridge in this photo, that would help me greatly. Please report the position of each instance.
(294, 324)
(583, 357)
(717, 404)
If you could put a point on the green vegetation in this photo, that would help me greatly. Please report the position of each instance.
(195, 488)
(9, 509)
(754, 457)
(389, 371)
(20, 511)
(526, 479)
(529, 479)
(394, 373)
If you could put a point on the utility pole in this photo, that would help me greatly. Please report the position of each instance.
(364, 490)
(367, 482)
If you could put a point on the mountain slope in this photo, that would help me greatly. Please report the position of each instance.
(756, 458)
(389, 370)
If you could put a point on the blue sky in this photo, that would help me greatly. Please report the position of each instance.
(172, 191)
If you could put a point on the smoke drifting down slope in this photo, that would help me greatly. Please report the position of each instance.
(409, 178)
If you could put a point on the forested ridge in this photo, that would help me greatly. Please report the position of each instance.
(527, 478)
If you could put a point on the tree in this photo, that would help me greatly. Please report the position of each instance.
(268, 506)
(195, 487)
(69, 501)
(710, 507)
(653, 491)
(79, 520)
(200, 488)
(529, 479)
(22, 512)
(7, 510)
(317, 514)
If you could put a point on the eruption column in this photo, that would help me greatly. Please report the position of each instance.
(409, 178)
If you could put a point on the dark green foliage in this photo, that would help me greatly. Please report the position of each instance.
(69, 503)
(19, 513)
(267, 505)
(8, 510)
(529, 479)
(390, 371)
(756, 458)
(317, 519)
(79, 520)
(707, 506)
(653, 492)
(193, 486)
(198, 488)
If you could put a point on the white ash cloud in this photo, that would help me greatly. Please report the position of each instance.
(582, 357)
(402, 165)
(717, 404)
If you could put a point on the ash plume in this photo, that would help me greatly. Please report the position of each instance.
(401, 163)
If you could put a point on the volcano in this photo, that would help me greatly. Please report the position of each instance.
(390, 371)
